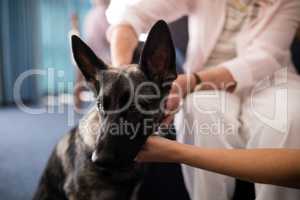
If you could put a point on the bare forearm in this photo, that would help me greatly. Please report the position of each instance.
(271, 166)
(123, 42)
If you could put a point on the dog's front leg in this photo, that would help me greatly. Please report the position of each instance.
(70, 189)
(72, 197)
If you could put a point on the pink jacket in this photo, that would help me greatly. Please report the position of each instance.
(263, 45)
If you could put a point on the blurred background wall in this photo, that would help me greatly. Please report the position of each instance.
(34, 35)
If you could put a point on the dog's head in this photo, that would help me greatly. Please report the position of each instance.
(129, 99)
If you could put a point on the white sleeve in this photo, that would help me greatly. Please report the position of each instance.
(266, 53)
(142, 14)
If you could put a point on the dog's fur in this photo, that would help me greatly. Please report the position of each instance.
(92, 161)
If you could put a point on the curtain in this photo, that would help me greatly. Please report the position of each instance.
(1, 72)
(34, 35)
(19, 39)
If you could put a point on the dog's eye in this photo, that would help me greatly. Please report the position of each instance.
(104, 103)
(100, 107)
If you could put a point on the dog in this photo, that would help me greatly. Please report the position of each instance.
(95, 160)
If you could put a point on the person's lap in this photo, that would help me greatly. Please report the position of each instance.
(271, 120)
(266, 118)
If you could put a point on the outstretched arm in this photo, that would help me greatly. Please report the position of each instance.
(269, 166)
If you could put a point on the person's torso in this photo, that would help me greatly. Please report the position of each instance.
(206, 24)
(225, 48)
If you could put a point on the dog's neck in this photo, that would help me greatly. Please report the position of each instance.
(89, 126)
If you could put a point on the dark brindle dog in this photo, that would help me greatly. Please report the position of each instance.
(96, 160)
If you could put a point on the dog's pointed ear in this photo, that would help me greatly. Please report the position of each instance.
(88, 63)
(158, 56)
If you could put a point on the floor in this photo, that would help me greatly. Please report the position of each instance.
(26, 140)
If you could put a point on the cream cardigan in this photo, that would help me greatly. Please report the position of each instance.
(225, 48)
(263, 45)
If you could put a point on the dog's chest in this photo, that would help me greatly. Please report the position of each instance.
(86, 182)
(88, 128)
